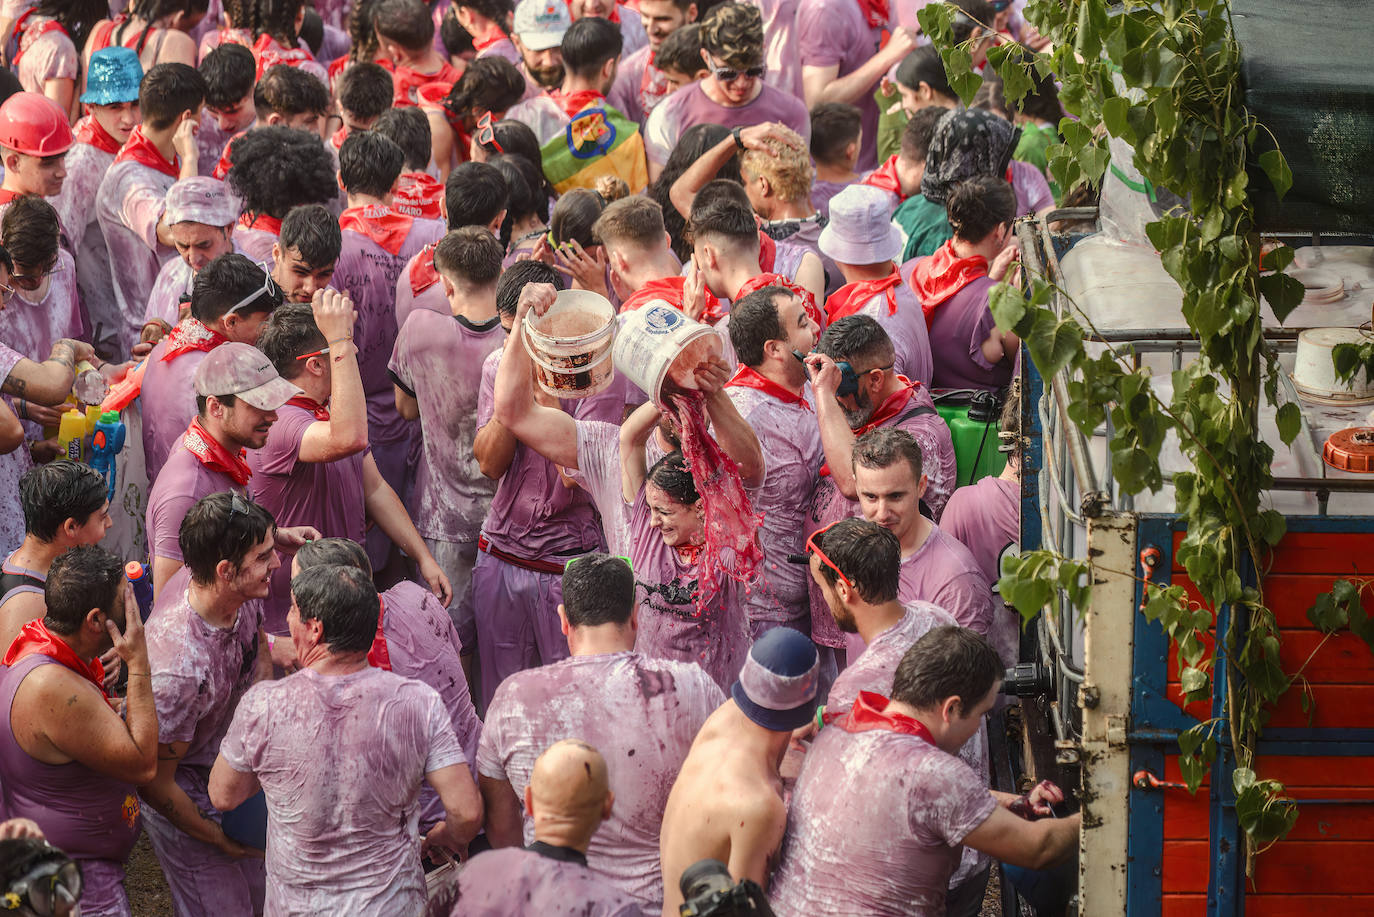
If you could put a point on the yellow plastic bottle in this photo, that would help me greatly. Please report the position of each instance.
(71, 435)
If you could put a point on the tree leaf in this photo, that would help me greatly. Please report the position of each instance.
(1008, 306)
(1290, 422)
(1276, 167)
(1283, 293)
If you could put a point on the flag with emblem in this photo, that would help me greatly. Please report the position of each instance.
(597, 141)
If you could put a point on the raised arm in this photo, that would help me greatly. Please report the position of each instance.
(836, 438)
(729, 428)
(634, 435)
(345, 432)
(685, 189)
(824, 84)
(547, 430)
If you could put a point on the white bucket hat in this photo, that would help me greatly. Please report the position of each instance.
(860, 229)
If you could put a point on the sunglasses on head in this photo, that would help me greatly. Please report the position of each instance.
(486, 133)
(574, 560)
(813, 548)
(51, 889)
(269, 288)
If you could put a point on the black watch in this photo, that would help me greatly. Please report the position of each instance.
(739, 143)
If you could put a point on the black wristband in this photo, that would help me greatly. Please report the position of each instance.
(739, 143)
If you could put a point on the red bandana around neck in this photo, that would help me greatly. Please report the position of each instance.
(768, 252)
(380, 224)
(214, 456)
(379, 657)
(310, 404)
(653, 86)
(91, 132)
(940, 276)
(260, 221)
(191, 334)
(142, 151)
(408, 81)
(423, 274)
(27, 35)
(892, 406)
(417, 195)
(35, 637)
(494, 37)
(6, 195)
(575, 102)
(270, 53)
(769, 279)
(871, 712)
(748, 377)
(852, 297)
(876, 12)
(669, 289)
(885, 178)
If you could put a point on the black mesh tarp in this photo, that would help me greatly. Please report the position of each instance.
(1309, 77)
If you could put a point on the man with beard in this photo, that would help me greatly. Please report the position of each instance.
(538, 34)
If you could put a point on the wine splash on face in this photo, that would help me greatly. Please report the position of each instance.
(731, 548)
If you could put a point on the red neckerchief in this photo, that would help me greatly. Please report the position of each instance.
(338, 137)
(940, 276)
(34, 637)
(191, 334)
(142, 151)
(310, 404)
(852, 297)
(379, 657)
(615, 14)
(417, 194)
(260, 221)
(494, 37)
(6, 195)
(653, 86)
(689, 554)
(870, 712)
(28, 36)
(222, 167)
(669, 289)
(93, 133)
(876, 12)
(577, 101)
(422, 272)
(769, 279)
(213, 455)
(768, 252)
(380, 224)
(270, 53)
(747, 377)
(408, 82)
(891, 407)
(885, 177)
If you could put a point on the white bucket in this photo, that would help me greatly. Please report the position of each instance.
(1314, 375)
(657, 343)
(571, 344)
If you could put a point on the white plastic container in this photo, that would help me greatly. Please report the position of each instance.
(658, 343)
(1314, 375)
(571, 344)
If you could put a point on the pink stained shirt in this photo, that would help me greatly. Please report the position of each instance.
(497, 883)
(129, 205)
(835, 33)
(169, 401)
(12, 467)
(780, 52)
(341, 759)
(639, 86)
(907, 329)
(211, 141)
(256, 243)
(640, 713)
(691, 106)
(791, 443)
(326, 495)
(49, 56)
(986, 518)
(875, 825)
(184, 480)
(408, 299)
(944, 573)
(438, 360)
(422, 644)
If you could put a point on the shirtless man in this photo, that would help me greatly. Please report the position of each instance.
(727, 802)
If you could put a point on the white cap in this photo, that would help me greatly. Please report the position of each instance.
(860, 229)
(540, 24)
(201, 199)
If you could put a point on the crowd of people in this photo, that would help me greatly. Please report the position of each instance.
(361, 619)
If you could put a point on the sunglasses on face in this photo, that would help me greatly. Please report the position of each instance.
(730, 74)
(849, 377)
(269, 288)
(32, 281)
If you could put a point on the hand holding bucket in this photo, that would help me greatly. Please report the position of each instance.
(658, 344)
(568, 335)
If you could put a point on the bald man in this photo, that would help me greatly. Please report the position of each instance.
(567, 798)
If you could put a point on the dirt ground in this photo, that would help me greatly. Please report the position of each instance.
(148, 895)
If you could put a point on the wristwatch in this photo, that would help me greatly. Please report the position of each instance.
(739, 143)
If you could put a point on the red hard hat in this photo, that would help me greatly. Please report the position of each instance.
(32, 123)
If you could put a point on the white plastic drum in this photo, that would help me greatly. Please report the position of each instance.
(657, 343)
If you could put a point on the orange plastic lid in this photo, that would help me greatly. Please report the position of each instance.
(1351, 449)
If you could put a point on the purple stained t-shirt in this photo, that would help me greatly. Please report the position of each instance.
(423, 644)
(184, 480)
(958, 328)
(86, 166)
(255, 243)
(340, 759)
(31, 326)
(168, 399)
(498, 883)
(791, 442)
(822, 191)
(408, 299)
(12, 468)
(907, 329)
(875, 825)
(836, 33)
(326, 495)
(438, 360)
(48, 56)
(640, 713)
(129, 206)
(942, 572)
(691, 106)
(534, 514)
(986, 518)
